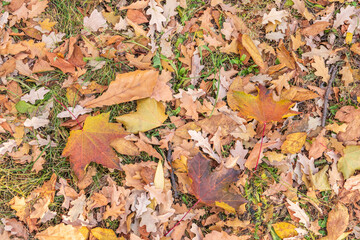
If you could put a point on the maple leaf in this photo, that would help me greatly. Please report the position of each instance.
(263, 108)
(210, 187)
(92, 144)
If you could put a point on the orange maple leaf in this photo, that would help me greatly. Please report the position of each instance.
(210, 187)
(263, 108)
(92, 144)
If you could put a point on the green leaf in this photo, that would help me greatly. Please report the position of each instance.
(24, 107)
(350, 162)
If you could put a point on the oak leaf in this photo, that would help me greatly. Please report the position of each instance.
(321, 70)
(92, 144)
(156, 15)
(263, 108)
(150, 114)
(127, 87)
(210, 187)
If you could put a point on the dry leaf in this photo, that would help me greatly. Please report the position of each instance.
(127, 87)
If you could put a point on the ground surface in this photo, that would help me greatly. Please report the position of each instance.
(226, 79)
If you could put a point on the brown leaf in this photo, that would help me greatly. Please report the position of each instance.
(252, 50)
(61, 63)
(210, 187)
(284, 56)
(127, 87)
(321, 69)
(338, 221)
(136, 16)
(315, 28)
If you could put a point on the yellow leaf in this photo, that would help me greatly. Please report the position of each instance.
(180, 165)
(349, 37)
(47, 25)
(285, 230)
(104, 234)
(293, 143)
(150, 114)
(274, 156)
(225, 206)
(159, 179)
(253, 51)
(64, 232)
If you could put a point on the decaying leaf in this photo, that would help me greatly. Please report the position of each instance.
(210, 187)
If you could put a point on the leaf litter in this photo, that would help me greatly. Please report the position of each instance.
(229, 96)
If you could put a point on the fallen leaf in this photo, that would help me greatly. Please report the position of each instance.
(150, 114)
(321, 69)
(299, 213)
(60, 63)
(252, 50)
(127, 87)
(95, 21)
(349, 163)
(156, 15)
(65, 232)
(338, 221)
(92, 144)
(210, 187)
(274, 16)
(315, 28)
(105, 234)
(262, 107)
(293, 143)
(285, 230)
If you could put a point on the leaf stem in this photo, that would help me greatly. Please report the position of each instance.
(262, 138)
(69, 112)
(178, 222)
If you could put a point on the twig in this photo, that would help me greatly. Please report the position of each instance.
(262, 138)
(76, 119)
(178, 222)
(172, 176)
(333, 71)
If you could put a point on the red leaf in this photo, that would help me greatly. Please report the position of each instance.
(92, 144)
(210, 187)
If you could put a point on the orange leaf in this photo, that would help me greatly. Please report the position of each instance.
(127, 87)
(92, 144)
(252, 50)
(60, 63)
(263, 108)
(210, 187)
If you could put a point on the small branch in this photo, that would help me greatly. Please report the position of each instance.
(333, 72)
(172, 176)
(262, 138)
(182, 218)
(69, 112)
